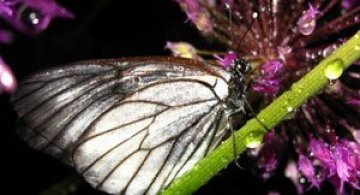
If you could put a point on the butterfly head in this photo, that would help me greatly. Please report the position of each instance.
(241, 67)
(239, 70)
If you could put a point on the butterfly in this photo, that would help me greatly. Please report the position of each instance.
(131, 125)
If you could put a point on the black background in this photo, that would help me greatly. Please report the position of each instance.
(102, 29)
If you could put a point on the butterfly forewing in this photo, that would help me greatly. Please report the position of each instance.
(129, 126)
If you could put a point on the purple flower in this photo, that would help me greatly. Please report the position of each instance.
(283, 51)
(272, 68)
(31, 16)
(269, 86)
(283, 40)
(320, 150)
(270, 154)
(356, 134)
(269, 81)
(355, 101)
(5, 37)
(348, 4)
(227, 61)
(197, 15)
(343, 167)
(340, 162)
(7, 78)
(347, 163)
(307, 168)
(183, 50)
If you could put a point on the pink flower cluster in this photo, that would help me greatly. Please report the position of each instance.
(283, 40)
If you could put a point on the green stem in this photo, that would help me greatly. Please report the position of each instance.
(277, 111)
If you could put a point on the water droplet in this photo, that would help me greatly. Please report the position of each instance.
(196, 167)
(286, 103)
(302, 180)
(227, 5)
(356, 18)
(31, 17)
(297, 88)
(290, 109)
(224, 160)
(186, 176)
(314, 56)
(306, 24)
(7, 80)
(357, 47)
(357, 36)
(291, 113)
(328, 50)
(136, 79)
(181, 68)
(253, 52)
(334, 69)
(327, 130)
(262, 120)
(253, 139)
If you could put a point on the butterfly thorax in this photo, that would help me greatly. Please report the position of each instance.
(237, 85)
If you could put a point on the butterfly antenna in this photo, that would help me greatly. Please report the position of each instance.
(228, 7)
(254, 16)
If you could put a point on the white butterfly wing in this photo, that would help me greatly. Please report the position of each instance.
(128, 126)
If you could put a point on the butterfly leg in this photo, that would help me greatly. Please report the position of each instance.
(253, 114)
(232, 131)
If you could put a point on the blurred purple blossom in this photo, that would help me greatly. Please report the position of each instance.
(267, 86)
(347, 160)
(31, 16)
(307, 168)
(6, 37)
(197, 15)
(269, 155)
(321, 151)
(182, 49)
(7, 78)
(269, 82)
(283, 51)
(340, 161)
(284, 42)
(227, 60)
(348, 4)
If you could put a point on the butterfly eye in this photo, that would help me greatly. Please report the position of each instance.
(242, 66)
(31, 17)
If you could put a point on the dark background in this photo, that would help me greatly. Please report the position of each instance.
(102, 29)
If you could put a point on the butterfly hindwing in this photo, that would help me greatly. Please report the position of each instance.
(128, 126)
